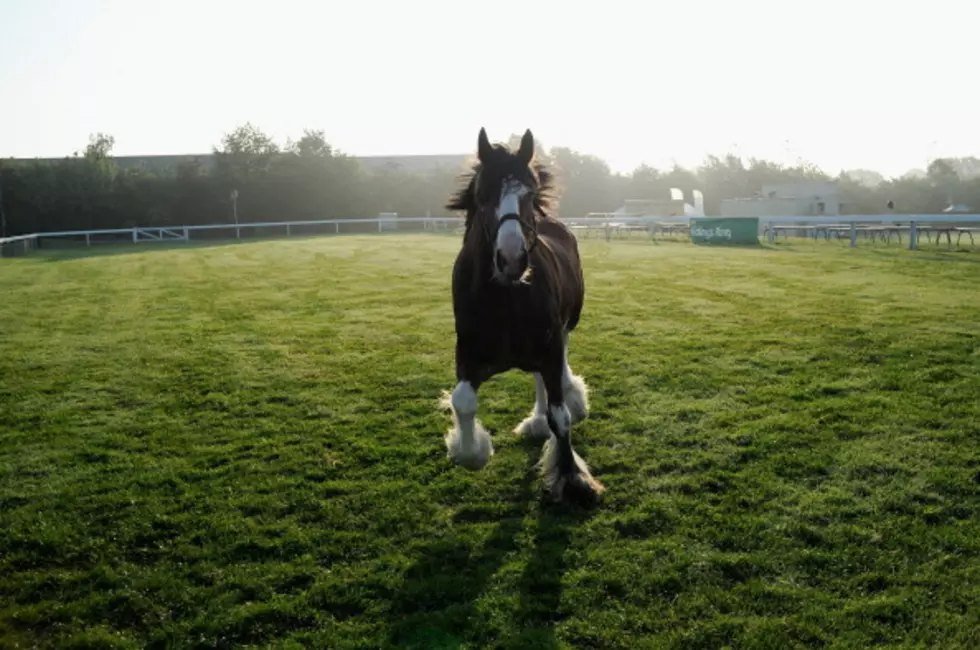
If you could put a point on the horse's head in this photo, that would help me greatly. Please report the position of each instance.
(505, 189)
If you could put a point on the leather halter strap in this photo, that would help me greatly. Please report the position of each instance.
(516, 217)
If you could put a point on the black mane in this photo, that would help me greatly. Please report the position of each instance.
(545, 200)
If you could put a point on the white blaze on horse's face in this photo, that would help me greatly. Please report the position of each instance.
(510, 256)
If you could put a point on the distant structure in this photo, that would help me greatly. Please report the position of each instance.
(957, 207)
(800, 199)
(675, 206)
(415, 164)
(166, 165)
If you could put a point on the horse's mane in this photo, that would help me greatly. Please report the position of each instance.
(545, 200)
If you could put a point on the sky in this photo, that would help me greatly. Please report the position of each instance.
(842, 84)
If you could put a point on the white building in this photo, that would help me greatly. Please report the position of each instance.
(801, 199)
(675, 206)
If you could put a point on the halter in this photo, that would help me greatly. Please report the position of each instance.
(526, 228)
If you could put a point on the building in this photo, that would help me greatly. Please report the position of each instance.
(800, 199)
(417, 164)
(675, 206)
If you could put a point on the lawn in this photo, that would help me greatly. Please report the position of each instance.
(240, 445)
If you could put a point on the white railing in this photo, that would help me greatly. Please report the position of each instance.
(25, 242)
(609, 223)
(140, 234)
(913, 224)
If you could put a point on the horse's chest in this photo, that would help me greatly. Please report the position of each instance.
(512, 336)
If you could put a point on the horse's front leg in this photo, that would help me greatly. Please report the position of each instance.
(467, 442)
(565, 473)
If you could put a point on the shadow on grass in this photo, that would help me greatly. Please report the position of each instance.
(437, 607)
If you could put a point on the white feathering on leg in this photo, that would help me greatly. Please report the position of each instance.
(468, 443)
(535, 426)
(580, 478)
(574, 390)
(576, 394)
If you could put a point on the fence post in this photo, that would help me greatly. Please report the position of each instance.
(913, 236)
(187, 234)
(88, 239)
(287, 230)
(854, 234)
(134, 235)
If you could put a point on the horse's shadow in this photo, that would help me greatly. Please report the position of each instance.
(437, 607)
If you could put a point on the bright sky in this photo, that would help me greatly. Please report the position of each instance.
(856, 83)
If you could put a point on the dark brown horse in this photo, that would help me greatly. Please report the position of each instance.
(518, 291)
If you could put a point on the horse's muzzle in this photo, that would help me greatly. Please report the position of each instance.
(510, 269)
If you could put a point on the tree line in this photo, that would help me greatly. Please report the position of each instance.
(308, 179)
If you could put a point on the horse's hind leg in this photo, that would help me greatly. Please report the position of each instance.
(565, 473)
(574, 390)
(535, 426)
(468, 442)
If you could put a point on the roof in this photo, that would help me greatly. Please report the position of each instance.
(416, 164)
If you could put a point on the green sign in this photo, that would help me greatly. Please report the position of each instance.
(735, 230)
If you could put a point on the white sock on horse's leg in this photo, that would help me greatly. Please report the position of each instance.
(468, 442)
(535, 426)
(576, 393)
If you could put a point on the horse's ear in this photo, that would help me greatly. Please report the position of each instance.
(526, 152)
(483, 148)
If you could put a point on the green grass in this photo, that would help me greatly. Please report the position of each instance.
(240, 445)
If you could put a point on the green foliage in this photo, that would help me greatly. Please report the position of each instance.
(240, 445)
(309, 179)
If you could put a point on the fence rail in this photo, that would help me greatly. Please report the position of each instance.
(609, 222)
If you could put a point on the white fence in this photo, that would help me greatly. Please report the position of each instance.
(605, 224)
(884, 226)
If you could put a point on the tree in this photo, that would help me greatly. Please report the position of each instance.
(311, 145)
(865, 177)
(645, 183)
(245, 155)
(309, 179)
(99, 146)
(243, 164)
(943, 178)
(585, 183)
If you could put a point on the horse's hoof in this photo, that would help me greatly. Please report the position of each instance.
(473, 463)
(475, 455)
(580, 488)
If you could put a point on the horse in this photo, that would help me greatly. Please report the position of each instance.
(517, 292)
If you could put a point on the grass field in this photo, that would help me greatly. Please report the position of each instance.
(240, 445)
